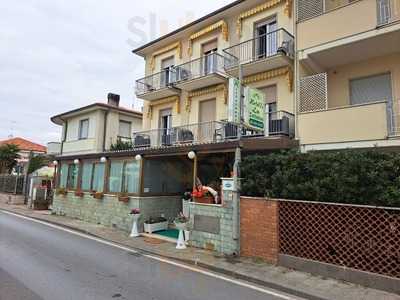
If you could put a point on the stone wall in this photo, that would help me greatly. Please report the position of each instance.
(7, 198)
(212, 227)
(113, 213)
(259, 228)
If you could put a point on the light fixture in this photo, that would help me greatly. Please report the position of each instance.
(76, 161)
(138, 157)
(103, 159)
(55, 163)
(192, 155)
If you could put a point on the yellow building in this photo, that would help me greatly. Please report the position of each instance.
(348, 73)
(186, 87)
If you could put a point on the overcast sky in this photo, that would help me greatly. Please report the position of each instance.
(63, 54)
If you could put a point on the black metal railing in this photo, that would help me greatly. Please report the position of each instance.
(197, 68)
(157, 81)
(276, 42)
(281, 123)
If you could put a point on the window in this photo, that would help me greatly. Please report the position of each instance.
(98, 177)
(172, 177)
(115, 179)
(124, 177)
(371, 89)
(92, 177)
(125, 128)
(86, 182)
(63, 176)
(73, 172)
(83, 129)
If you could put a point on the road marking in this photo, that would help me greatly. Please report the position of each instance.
(163, 260)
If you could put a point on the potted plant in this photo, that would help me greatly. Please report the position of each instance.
(61, 191)
(79, 193)
(123, 197)
(204, 197)
(136, 216)
(181, 222)
(155, 224)
(97, 195)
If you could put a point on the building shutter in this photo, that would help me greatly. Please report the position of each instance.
(371, 89)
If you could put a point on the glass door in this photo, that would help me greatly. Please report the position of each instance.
(266, 41)
(166, 127)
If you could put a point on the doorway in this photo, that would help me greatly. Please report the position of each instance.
(166, 71)
(266, 41)
(165, 125)
(209, 62)
(207, 116)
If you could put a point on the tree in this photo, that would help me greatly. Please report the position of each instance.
(36, 163)
(8, 157)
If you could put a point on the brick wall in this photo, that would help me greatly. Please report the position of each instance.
(259, 228)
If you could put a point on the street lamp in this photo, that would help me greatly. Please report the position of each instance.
(138, 157)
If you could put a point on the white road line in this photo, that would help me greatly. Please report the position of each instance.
(163, 260)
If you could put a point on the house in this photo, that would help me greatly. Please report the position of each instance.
(316, 78)
(96, 127)
(348, 74)
(25, 147)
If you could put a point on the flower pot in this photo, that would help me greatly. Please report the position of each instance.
(150, 228)
(79, 194)
(135, 231)
(124, 199)
(205, 200)
(98, 196)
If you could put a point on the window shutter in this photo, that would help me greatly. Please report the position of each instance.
(371, 89)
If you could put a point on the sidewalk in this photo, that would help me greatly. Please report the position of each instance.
(297, 283)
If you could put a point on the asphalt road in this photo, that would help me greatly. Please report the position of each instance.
(41, 262)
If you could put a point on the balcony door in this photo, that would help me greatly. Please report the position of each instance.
(266, 39)
(165, 126)
(207, 116)
(209, 61)
(166, 71)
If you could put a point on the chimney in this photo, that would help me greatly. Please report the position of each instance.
(113, 99)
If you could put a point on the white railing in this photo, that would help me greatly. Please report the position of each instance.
(388, 11)
(394, 120)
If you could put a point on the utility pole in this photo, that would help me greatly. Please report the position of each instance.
(238, 160)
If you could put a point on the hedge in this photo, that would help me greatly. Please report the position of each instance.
(369, 177)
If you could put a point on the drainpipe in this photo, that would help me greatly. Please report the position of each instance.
(64, 139)
(105, 129)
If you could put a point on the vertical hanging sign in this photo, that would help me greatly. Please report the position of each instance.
(254, 115)
(234, 101)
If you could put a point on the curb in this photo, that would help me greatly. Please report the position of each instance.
(209, 267)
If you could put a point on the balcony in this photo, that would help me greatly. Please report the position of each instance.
(157, 86)
(279, 124)
(266, 52)
(199, 73)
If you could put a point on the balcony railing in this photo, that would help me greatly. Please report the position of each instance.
(155, 82)
(279, 123)
(268, 45)
(203, 66)
(388, 11)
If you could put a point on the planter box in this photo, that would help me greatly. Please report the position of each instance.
(204, 200)
(150, 228)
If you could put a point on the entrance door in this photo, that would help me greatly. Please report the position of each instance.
(166, 71)
(266, 42)
(207, 116)
(166, 127)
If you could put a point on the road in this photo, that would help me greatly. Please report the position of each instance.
(38, 261)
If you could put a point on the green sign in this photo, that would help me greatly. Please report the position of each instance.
(255, 109)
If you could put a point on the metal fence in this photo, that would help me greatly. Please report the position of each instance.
(199, 133)
(155, 82)
(203, 66)
(11, 184)
(363, 238)
(277, 42)
(388, 11)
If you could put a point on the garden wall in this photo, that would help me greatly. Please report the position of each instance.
(355, 243)
(112, 213)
